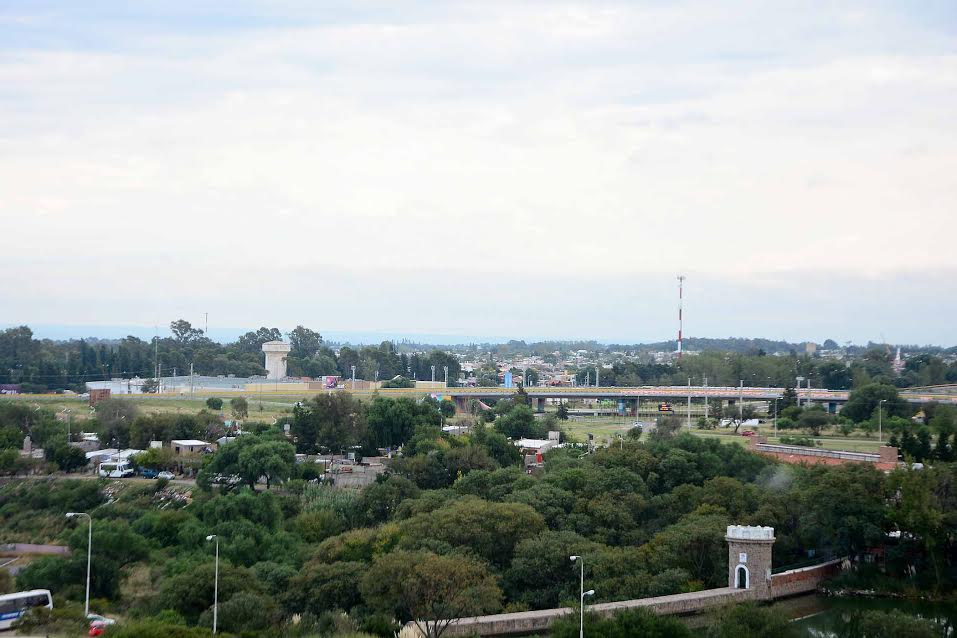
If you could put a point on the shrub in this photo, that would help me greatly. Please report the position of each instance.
(214, 403)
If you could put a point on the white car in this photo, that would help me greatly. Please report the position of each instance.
(165, 474)
(100, 621)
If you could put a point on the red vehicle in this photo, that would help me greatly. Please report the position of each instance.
(748, 433)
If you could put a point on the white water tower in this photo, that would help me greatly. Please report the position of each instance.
(276, 352)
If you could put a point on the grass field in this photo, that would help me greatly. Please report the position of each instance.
(272, 406)
(610, 427)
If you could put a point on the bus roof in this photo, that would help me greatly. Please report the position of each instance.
(20, 594)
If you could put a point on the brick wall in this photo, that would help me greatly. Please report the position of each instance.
(804, 580)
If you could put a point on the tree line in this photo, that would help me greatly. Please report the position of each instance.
(41, 365)
(458, 513)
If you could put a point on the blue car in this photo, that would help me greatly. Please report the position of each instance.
(148, 473)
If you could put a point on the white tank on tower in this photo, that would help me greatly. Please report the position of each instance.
(276, 352)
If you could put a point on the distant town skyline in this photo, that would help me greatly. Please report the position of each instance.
(531, 170)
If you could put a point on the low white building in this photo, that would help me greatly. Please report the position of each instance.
(189, 446)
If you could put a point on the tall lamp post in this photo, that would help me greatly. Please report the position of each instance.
(214, 537)
(880, 415)
(776, 417)
(590, 592)
(689, 404)
(89, 554)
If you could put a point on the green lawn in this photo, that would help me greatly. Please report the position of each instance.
(610, 427)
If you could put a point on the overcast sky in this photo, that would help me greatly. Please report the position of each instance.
(518, 169)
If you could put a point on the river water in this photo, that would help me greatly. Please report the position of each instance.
(826, 617)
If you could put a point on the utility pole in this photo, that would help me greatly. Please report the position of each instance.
(681, 285)
(689, 404)
(190, 380)
(880, 418)
(596, 376)
(206, 330)
(741, 400)
(446, 369)
(706, 400)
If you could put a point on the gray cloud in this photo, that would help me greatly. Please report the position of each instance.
(348, 160)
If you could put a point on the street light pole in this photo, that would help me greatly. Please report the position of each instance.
(741, 400)
(353, 378)
(590, 592)
(689, 404)
(446, 369)
(433, 374)
(880, 415)
(215, 582)
(89, 554)
(776, 417)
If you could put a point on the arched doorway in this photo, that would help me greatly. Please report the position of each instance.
(741, 577)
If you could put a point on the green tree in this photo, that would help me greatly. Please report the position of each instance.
(184, 332)
(114, 418)
(562, 412)
(335, 422)
(864, 401)
(252, 342)
(540, 575)
(430, 590)
(813, 420)
(842, 508)
(189, 591)
(891, 624)
(321, 587)
(630, 622)
(490, 530)
(304, 343)
(67, 457)
(380, 500)
(748, 619)
(250, 457)
(245, 611)
(518, 422)
(392, 422)
(917, 510)
(214, 403)
(272, 460)
(240, 407)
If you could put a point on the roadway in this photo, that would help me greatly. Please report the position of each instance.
(661, 392)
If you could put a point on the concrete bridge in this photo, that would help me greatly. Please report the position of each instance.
(630, 398)
(749, 578)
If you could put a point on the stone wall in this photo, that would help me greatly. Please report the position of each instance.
(804, 580)
(526, 622)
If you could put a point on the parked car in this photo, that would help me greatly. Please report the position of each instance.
(146, 472)
(748, 433)
(165, 474)
(96, 618)
(98, 624)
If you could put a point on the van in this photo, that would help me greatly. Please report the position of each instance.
(116, 469)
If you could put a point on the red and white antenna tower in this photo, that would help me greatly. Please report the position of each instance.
(681, 286)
